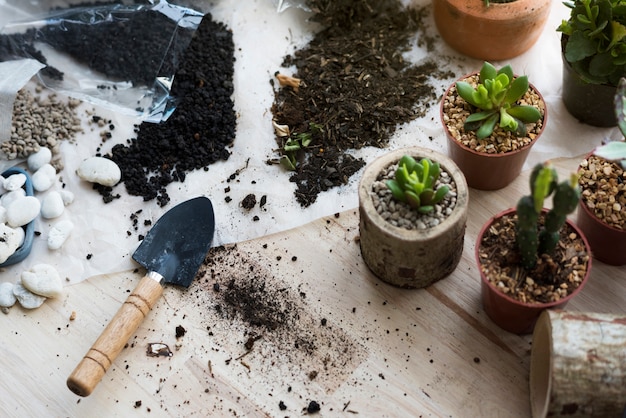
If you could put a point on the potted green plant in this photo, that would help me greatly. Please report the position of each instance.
(602, 210)
(530, 258)
(492, 118)
(412, 214)
(593, 44)
(471, 26)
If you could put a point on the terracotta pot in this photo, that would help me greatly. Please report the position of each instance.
(608, 244)
(411, 258)
(498, 32)
(590, 103)
(508, 313)
(503, 167)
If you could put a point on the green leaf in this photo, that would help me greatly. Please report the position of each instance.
(518, 88)
(488, 71)
(618, 32)
(288, 162)
(486, 128)
(579, 47)
(479, 116)
(506, 121)
(613, 151)
(601, 65)
(466, 91)
(426, 197)
(412, 199)
(507, 70)
(440, 193)
(527, 114)
(425, 209)
(396, 190)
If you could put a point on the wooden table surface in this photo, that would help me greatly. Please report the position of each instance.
(355, 345)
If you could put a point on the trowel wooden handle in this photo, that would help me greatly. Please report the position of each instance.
(103, 352)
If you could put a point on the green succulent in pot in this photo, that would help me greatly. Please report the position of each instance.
(595, 44)
(494, 99)
(532, 238)
(415, 182)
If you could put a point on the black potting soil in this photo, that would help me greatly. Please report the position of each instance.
(198, 132)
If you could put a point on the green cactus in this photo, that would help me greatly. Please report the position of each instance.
(414, 184)
(530, 238)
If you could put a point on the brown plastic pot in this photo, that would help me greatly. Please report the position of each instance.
(503, 167)
(508, 313)
(590, 103)
(608, 244)
(411, 258)
(497, 32)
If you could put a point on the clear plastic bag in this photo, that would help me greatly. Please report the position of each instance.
(282, 5)
(120, 56)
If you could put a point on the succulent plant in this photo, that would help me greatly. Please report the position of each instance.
(616, 150)
(495, 99)
(414, 183)
(531, 238)
(596, 39)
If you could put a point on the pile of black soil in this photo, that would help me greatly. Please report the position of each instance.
(355, 88)
(200, 129)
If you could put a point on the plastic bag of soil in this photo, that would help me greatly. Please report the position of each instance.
(123, 57)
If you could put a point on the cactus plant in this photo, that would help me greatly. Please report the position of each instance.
(414, 183)
(495, 97)
(616, 150)
(531, 238)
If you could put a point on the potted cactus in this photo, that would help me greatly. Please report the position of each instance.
(593, 45)
(530, 258)
(412, 215)
(470, 26)
(492, 118)
(602, 209)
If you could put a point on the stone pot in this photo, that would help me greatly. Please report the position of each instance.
(503, 167)
(497, 32)
(411, 258)
(590, 103)
(511, 314)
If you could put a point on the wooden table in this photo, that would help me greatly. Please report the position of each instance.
(358, 347)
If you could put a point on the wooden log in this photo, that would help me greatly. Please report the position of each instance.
(578, 365)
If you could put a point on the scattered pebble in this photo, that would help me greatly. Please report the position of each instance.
(44, 177)
(39, 159)
(26, 298)
(14, 182)
(67, 197)
(43, 280)
(7, 298)
(52, 205)
(100, 170)
(10, 241)
(59, 233)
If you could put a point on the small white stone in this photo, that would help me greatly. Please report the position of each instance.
(3, 215)
(52, 205)
(22, 211)
(10, 241)
(99, 170)
(43, 280)
(7, 298)
(44, 178)
(39, 159)
(9, 197)
(59, 233)
(14, 182)
(67, 197)
(26, 298)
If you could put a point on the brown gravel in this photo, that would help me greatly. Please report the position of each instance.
(456, 110)
(604, 190)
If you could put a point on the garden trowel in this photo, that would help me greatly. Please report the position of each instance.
(171, 252)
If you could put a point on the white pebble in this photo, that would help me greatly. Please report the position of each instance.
(10, 241)
(9, 197)
(7, 298)
(22, 211)
(58, 234)
(26, 298)
(52, 205)
(44, 178)
(99, 170)
(3, 215)
(67, 197)
(39, 159)
(14, 182)
(43, 280)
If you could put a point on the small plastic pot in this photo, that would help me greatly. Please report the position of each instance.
(510, 314)
(608, 244)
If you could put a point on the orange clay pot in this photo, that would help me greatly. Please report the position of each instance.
(495, 32)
